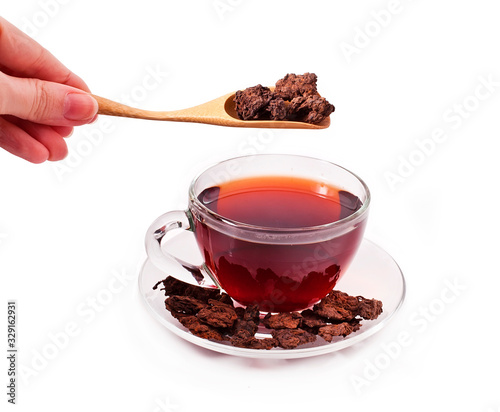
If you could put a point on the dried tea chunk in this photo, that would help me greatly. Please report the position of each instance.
(277, 108)
(369, 308)
(339, 307)
(251, 103)
(327, 332)
(217, 302)
(249, 327)
(291, 338)
(240, 311)
(283, 320)
(264, 343)
(219, 315)
(184, 304)
(251, 342)
(252, 313)
(173, 286)
(200, 329)
(224, 298)
(311, 320)
(309, 109)
(293, 85)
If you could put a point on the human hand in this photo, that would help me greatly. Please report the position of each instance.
(40, 99)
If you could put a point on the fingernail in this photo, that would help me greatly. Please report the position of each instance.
(94, 119)
(79, 106)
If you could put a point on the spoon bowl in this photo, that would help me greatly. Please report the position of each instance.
(220, 112)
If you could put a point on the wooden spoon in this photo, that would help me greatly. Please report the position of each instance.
(220, 111)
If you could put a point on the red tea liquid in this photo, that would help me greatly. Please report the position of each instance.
(283, 277)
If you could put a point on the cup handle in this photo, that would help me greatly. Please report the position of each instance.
(169, 264)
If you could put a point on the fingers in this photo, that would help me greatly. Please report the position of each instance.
(46, 135)
(16, 141)
(24, 57)
(45, 102)
(63, 131)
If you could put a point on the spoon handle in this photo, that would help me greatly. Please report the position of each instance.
(111, 108)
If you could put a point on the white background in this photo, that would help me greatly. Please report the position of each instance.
(67, 229)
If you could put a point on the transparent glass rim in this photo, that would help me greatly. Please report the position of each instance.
(255, 228)
(361, 212)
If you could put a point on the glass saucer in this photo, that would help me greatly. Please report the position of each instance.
(372, 274)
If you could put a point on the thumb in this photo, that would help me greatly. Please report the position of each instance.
(45, 102)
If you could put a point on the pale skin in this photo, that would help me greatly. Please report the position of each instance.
(41, 101)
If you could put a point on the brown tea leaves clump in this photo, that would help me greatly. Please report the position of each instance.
(295, 97)
(209, 314)
(218, 315)
(292, 86)
(284, 320)
(328, 332)
(252, 103)
(291, 338)
(339, 306)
